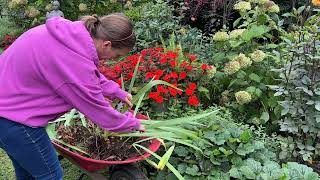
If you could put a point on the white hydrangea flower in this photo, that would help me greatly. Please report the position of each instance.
(242, 6)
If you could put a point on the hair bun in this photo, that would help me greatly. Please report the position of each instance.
(97, 22)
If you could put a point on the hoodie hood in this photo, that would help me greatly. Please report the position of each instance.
(74, 36)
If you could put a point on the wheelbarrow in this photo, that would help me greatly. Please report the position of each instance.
(119, 170)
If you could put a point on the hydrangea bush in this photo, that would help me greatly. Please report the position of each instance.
(243, 60)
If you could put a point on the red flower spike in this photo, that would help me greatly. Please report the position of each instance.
(130, 75)
(184, 64)
(173, 92)
(182, 75)
(161, 89)
(192, 57)
(159, 49)
(189, 92)
(144, 52)
(119, 82)
(163, 60)
(173, 63)
(172, 55)
(193, 101)
(149, 75)
(173, 75)
(193, 86)
(205, 67)
(159, 99)
(189, 68)
(153, 95)
(158, 72)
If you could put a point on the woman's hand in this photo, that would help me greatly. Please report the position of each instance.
(141, 127)
(128, 100)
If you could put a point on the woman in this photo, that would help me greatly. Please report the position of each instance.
(51, 69)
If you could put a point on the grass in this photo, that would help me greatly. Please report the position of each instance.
(71, 172)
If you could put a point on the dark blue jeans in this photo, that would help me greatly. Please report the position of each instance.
(30, 150)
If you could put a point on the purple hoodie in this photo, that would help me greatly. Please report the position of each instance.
(51, 69)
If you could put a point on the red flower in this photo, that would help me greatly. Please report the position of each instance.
(173, 63)
(159, 49)
(158, 72)
(179, 92)
(161, 89)
(205, 67)
(130, 75)
(173, 75)
(133, 58)
(192, 57)
(173, 92)
(189, 68)
(193, 101)
(117, 68)
(172, 55)
(144, 52)
(153, 95)
(149, 75)
(166, 78)
(184, 64)
(182, 75)
(189, 92)
(159, 99)
(163, 60)
(119, 82)
(193, 86)
(7, 38)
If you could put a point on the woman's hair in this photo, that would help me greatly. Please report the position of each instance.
(116, 28)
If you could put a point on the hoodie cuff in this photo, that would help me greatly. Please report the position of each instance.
(137, 125)
(122, 95)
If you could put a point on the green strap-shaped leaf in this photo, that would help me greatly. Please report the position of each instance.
(170, 167)
(148, 87)
(134, 75)
(70, 117)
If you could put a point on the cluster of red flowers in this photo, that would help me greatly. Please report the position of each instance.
(6, 41)
(163, 65)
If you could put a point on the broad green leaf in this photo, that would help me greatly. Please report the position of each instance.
(253, 32)
(235, 173)
(265, 117)
(245, 136)
(247, 172)
(255, 77)
(317, 105)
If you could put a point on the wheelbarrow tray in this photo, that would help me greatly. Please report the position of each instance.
(92, 165)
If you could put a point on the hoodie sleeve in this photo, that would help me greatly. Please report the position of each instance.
(89, 100)
(111, 89)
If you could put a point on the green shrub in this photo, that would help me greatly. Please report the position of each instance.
(233, 152)
(299, 87)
